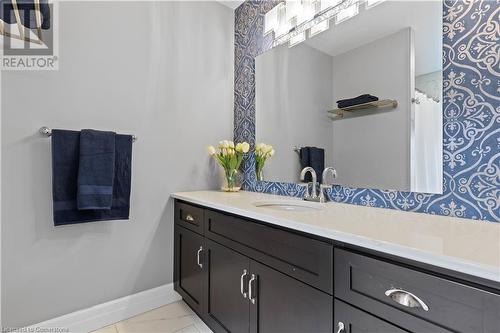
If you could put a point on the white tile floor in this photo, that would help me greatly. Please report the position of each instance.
(173, 318)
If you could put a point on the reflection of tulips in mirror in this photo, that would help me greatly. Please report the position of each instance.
(229, 157)
(262, 153)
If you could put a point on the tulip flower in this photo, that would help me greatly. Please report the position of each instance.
(229, 156)
(211, 150)
(262, 153)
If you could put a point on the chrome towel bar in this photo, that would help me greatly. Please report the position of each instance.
(45, 131)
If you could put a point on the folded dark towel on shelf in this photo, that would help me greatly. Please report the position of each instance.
(366, 98)
(313, 157)
(96, 170)
(65, 165)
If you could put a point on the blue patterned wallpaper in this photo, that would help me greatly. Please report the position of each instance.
(471, 91)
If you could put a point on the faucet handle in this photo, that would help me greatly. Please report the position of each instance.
(325, 173)
(307, 194)
(312, 196)
(322, 188)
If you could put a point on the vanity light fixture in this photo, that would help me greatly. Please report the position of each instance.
(297, 39)
(319, 28)
(300, 11)
(328, 4)
(347, 13)
(293, 12)
(288, 21)
(275, 21)
(373, 3)
(271, 19)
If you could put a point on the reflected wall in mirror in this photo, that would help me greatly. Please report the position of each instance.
(392, 51)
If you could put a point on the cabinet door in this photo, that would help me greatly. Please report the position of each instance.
(188, 267)
(351, 320)
(279, 303)
(226, 307)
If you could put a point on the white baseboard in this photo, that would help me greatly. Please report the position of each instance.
(108, 313)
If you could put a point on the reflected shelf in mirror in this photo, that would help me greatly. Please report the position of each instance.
(347, 112)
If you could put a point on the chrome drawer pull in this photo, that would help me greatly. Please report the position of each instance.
(406, 298)
(189, 218)
(198, 261)
(242, 284)
(251, 295)
(341, 327)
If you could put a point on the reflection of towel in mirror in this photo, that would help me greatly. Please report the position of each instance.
(366, 98)
(313, 157)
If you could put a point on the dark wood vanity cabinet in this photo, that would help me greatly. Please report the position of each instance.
(241, 280)
(300, 256)
(282, 304)
(418, 301)
(189, 267)
(225, 308)
(246, 276)
(349, 319)
(243, 295)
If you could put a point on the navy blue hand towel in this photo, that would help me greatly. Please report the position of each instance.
(65, 165)
(96, 170)
(304, 162)
(313, 157)
(361, 99)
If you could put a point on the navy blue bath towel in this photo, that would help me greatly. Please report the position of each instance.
(65, 165)
(96, 170)
(313, 157)
(361, 99)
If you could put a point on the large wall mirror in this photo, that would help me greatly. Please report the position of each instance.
(392, 52)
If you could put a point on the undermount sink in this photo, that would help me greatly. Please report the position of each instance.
(289, 205)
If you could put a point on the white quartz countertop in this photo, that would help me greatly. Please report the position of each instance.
(467, 246)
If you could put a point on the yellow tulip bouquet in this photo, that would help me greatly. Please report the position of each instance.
(262, 153)
(229, 156)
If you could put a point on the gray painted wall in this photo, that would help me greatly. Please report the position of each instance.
(163, 71)
(293, 91)
(373, 151)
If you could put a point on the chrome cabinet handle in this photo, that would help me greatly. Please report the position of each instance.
(189, 218)
(405, 298)
(242, 283)
(198, 261)
(341, 327)
(251, 295)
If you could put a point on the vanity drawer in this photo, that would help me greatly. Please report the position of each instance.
(306, 259)
(189, 216)
(365, 282)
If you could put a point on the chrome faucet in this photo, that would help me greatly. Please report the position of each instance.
(325, 185)
(313, 195)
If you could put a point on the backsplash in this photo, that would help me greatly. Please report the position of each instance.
(471, 131)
